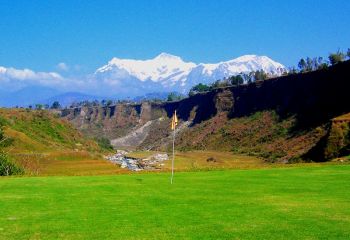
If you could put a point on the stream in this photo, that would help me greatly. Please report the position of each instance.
(154, 162)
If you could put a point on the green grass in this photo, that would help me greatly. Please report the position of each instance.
(281, 203)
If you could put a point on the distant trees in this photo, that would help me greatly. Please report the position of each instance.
(236, 80)
(310, 64)
(292, 70)
(220, 83)
(174, 96)
(260, 75)
(302, 65)
(39, 106)
(55, 105)
(337, 57)
(199, 88)
(109, 103)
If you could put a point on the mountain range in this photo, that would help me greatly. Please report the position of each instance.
(168, 72)
(124, 78)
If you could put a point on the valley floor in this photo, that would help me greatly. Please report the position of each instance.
(276, 203)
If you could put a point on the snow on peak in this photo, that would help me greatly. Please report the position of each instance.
(162, 66)
(167, 56)
(247, 58)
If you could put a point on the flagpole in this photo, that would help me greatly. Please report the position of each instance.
(173, 127)
(172, 163)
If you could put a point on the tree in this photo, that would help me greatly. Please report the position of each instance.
(348, 53)
(317, 62)
(323, 65)
(39, 106)
(335, 58)
(260, 75)
(236, 80)
(302, 65)
(199, 88)
(215, 84)
(309, 64)
(109, 103)
(55, 105)
(173, 96)
(7, 167)
(292, 71)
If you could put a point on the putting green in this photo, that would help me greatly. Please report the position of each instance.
(282, 203)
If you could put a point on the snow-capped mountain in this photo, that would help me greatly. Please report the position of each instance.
(123, 79)
(166, 71)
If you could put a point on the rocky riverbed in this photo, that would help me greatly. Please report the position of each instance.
(154, 162)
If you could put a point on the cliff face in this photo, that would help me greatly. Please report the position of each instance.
(111, 122)
(304, 102)
(313, 98)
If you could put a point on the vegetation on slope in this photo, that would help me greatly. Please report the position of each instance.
(261, 134)
(7, 167)
(42, 143)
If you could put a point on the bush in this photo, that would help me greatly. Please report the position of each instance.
(337, 57)
(7, 167)
(198, 89)
(173, 96)
(104, 143)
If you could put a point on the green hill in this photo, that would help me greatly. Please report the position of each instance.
(42, 143)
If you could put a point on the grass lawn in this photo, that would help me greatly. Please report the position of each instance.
(277, 203)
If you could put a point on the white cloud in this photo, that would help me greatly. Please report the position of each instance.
(12, 79)
(23, 77)
(27, 74)
(62, 66)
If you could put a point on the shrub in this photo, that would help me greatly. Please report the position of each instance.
(337, 57)
(7, 167)
(104, 143)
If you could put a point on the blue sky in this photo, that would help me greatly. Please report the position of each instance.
(86, 34)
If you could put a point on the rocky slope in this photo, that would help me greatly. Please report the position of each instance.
(282, 119)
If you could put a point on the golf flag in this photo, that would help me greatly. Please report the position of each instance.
(173, 126)
(174, 121)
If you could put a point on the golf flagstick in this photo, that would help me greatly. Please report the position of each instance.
(173, 127)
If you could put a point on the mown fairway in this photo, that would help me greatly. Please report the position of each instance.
(293, 203)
